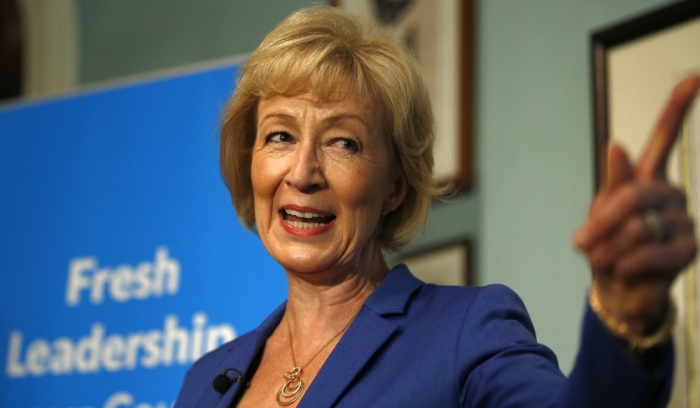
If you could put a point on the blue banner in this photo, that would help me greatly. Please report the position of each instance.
(121, 259)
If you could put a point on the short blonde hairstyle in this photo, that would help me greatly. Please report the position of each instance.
(326, 49)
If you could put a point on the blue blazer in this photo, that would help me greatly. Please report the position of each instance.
(422, 345)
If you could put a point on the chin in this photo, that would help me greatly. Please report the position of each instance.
(306, 262)
(307, 267)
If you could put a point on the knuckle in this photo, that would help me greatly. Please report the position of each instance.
(687, 224)
(678, 222)
(638, 229)
(685, 250)
(629, 198)
(678, 197)
(597, 257)
(691, 249)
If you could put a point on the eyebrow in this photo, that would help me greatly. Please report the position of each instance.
(342, 116)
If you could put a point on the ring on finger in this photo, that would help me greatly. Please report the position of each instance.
(656, 225)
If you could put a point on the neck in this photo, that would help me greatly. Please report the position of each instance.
(325, 301)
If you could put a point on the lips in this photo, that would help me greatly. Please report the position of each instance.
(305, 221)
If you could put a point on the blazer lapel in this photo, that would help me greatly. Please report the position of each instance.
(364, 338)
(241, 358)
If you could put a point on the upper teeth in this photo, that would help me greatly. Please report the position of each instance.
(302, 214)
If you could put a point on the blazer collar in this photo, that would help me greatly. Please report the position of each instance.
(365, 336)
(363, 339)
(393, 294)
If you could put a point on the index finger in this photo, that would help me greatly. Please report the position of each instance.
(652, 163)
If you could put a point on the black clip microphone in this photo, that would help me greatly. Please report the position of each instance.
(223, 382)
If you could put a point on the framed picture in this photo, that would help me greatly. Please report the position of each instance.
(11, 42)
(443, 265)
(636, 64)
(440, 33)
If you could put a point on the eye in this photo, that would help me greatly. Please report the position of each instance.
(347, 144)
(278, 137)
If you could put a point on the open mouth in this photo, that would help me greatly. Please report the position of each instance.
(305, 220)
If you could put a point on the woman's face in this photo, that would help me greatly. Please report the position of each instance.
(322, 176)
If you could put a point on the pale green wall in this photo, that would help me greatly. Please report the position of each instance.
(533, 126)
(128, 37)
(535, 152)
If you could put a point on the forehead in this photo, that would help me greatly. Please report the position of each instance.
(339, 104)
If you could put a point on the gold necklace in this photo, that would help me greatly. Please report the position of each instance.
(292, 389)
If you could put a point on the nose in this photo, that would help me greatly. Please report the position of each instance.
(306, 172)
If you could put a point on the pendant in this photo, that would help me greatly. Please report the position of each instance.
(292, 389)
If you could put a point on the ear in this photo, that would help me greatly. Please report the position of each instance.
(397, 195)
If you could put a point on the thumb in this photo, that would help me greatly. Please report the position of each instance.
(618, 172)
(619, 168)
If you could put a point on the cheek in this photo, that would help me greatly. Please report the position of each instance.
(264, 176)
(265, 180)
(363, 191)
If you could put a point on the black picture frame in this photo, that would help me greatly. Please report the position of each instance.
(11, 49)
(606, 39)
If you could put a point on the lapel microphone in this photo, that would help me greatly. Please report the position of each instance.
(223, 382)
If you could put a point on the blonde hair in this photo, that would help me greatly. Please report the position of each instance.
(324, 48)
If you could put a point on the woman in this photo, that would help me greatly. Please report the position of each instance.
(327, 151)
